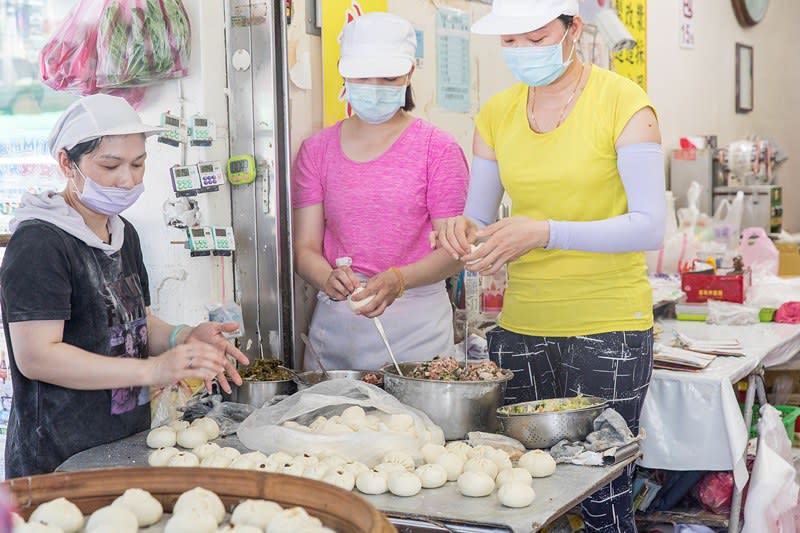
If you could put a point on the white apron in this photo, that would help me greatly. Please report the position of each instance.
(418, 325)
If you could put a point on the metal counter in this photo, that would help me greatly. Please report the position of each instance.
(431, 510)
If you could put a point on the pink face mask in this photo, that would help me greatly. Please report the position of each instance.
(107, 200)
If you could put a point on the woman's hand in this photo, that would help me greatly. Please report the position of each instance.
(191, 360)
(340, 283)
(212, 333)
(383, 288)
(456, 236)
(507, 240)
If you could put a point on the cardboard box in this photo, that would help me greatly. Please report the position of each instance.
(703, 286)
(789, 259)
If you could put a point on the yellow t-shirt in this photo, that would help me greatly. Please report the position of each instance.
(569, 174)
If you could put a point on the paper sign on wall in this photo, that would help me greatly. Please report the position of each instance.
(335, 14)
(452, 60)
(687, 24)
(633, 63)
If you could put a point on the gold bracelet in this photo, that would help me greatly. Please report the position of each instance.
(396, 272)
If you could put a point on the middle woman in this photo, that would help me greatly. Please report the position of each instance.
(370, 188)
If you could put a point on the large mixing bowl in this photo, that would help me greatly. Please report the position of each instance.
(257, 393)
(458, 407)
(312, 377)
(543, 430)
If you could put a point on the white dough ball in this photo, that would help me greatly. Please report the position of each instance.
(356, 305)
(161, 437)
(178, 425)
(60, 513)
(36, 527)
(388, 468)
(461, 448)
(340, 478)
(293, 468)
(318, 423)
(475, 484)
(256, 457)
(333, 461)
(336, 428)
(404, 484)
(538, 462)
(200, 501)
(191, 438)
(141, 503)
(242, 463)
(208, 425)
(355, 468)
(400, 458)
(400, 422)
(230, 528)
(481, 464)
(372, 482)
(183, 459)
(281, 457)
(317, 471)
(354, 413)
(256, 513)
(431, 451)
(452, 463)
(291, 520)
(206, 450)
(161, 456)
(230, 453)
(516, 494)
(216, 460)
(513, 475)
(502, 460)
(432, 476)
(191, 522)
(122, 519)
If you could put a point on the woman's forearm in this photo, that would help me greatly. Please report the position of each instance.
(312, 267)
(433, 268)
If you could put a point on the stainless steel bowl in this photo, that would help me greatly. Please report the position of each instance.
(458, 407)
(543, 430)
(257, 393)
(312, 377)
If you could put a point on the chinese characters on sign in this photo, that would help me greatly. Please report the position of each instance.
(633, 63)
(452, 60)
(687, 23)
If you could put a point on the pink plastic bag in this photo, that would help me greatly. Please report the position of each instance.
(757, 250)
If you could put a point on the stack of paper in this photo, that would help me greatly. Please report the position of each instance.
(711, 346)
(672, 358)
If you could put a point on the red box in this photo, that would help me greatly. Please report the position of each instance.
(701, 287)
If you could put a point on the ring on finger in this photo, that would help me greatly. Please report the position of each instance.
(191, 361)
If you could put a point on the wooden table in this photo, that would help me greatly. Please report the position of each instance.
(442, 509)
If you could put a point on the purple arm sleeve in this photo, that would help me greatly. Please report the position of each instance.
(485, 191)
(641, 167)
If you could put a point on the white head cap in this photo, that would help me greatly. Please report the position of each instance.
(510, 17)
(377, 45)
(94, 116)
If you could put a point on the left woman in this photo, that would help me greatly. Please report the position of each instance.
(75, 292)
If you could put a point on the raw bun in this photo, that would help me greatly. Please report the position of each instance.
(460, 448)
(340, 478)
(356, 305)
(401, 422)
(60, 513)
(475, 484)
(404, 484)
(293, 468)
(230, 528)
(372, 482)
(242, 463)
(516, 494)
(178, 425)
(230, 453)
(141, 503)
(216, 460)
(191, 438)
(539, 463)
(208, 425)
(513, 475)
(294, 519)
(281, 457)
(388, 468)
(122, 519)
(161, 456)
(452, 463)
(400, 458)
(502, 460)
(332, 461)
(184, 459)
(432, 476)
(317, 471)
(200, 501)
(206, 450)
(431, 451)
(354, 415)
(355, 468)
(161, 437)
(481, 464)
(257, 513)
(36, 527)
(191, 522)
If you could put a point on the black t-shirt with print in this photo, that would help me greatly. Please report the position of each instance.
(47, 274)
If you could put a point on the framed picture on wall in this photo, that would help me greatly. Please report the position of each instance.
(744, 78)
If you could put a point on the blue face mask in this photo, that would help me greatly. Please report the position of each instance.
(537, 65)
(375, 104)
(107, 200)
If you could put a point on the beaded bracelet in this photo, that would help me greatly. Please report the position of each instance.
(173, 337)
(401, 279)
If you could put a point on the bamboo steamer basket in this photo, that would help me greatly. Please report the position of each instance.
(92, 489)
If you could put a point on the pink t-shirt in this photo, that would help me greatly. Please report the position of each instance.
(379, 212)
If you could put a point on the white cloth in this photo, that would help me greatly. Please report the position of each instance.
(418, 325)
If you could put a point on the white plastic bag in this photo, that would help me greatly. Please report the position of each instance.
(263, 431)
(727, 221)
(772, 499)
(732, 314)
(166, 401)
